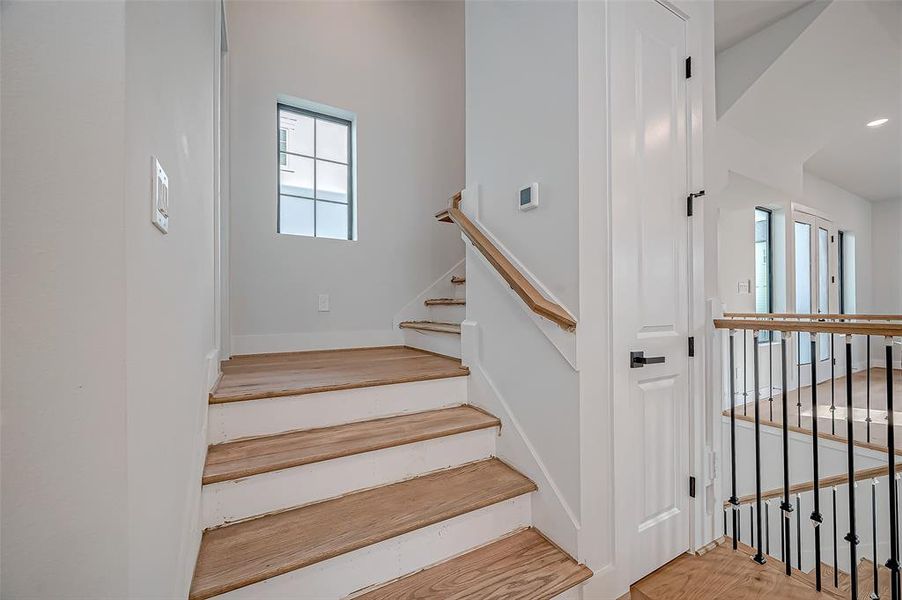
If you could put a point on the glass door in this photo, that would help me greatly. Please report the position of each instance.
(816, 291)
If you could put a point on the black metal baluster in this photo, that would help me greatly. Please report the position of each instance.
(785, 506)
(876, 593)
(832, 385)
(893, 562)
(851, 537)
(799, 531)
(759, 557)
(835, 552)
(752, 524)
(816, 517)
(733, 499)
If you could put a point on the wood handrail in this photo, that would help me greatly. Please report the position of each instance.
(812, 316)
(808, 326)
(533, 298)
(826, 482)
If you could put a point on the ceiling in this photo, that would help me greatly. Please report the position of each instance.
(735, 20)
(813, 101)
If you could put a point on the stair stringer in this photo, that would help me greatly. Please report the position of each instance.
(551, 514)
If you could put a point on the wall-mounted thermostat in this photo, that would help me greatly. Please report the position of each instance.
(159, 196)
(529, 197)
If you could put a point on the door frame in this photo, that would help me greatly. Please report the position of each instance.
(817, 220)
(701, 437)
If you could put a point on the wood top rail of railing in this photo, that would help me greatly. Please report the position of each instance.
(812, 316)
(533, 298)
(808, 326)
(826, 482)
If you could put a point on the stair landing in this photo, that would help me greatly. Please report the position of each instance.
(256, 376)
(724, 574)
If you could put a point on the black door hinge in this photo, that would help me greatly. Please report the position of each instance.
(689, 202)
(692, 487)
(688, 67)
(691, 346)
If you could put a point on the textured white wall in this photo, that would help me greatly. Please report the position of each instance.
(171, 62)
(107, 324)
(400, 67)
(64, 488)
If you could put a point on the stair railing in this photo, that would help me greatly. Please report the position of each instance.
(766, 327)
(534, 299)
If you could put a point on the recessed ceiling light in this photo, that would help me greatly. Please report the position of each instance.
(878, 122)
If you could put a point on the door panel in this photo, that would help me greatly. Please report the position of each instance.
(650, 270)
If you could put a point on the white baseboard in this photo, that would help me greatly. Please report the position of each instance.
(314, 340)
(212, 369)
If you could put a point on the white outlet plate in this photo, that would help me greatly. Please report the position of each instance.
(159, 196)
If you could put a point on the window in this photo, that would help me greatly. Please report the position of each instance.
(315, 174)
(846, 272)
(764, 275)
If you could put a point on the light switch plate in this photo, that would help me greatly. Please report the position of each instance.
(323, 303)
(159, 203)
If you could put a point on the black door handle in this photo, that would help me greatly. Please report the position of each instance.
(639, 360)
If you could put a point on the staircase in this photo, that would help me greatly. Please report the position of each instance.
(439, 328)
(365, 473)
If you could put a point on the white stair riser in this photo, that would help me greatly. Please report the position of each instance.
(447, 344)
(229, 501)
(379, 563)
(460, 291)
(447, 313)
(233, 420)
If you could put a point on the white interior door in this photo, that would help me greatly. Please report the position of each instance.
(816, 288)
(650, 278)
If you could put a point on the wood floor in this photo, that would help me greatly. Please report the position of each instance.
(243, 553)
(724, 574)
(244, 458)
(273, 375)
(522, 566)
(832, 424)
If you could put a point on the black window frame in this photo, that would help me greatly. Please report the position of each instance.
(841, 268)
(765, 336)
(351, 204)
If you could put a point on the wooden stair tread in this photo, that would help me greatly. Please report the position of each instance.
(522, 566)
(456, 280)
(294, 373)
(438, 326)
(445, 302)
(238, 555)
(243, 458)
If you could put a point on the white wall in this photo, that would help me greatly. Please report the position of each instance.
(886, 250)
(522, 127)
(64, 488)
(107, 324)
(400, 67)
(171, 62)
